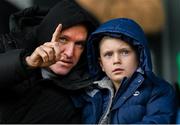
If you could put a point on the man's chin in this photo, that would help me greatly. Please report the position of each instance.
(60, 70)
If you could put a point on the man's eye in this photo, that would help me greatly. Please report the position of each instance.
(63, 40)
(80, 44)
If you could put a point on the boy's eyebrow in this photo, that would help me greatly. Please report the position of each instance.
(106, 51)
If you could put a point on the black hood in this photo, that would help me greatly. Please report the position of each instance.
(35, 25)
(68, 13)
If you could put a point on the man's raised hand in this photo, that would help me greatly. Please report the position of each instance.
(46, 54)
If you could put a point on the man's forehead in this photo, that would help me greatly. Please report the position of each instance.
(77, 26)
(78, 30)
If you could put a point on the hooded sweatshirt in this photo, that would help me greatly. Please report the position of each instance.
(142, 99)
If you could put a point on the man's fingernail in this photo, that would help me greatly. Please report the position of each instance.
(60, 25)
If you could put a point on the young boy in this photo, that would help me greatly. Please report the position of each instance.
(129, 92)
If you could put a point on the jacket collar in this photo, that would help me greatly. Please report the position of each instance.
(131, 90)
(76, 79)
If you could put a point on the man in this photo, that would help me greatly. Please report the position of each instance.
(38, 77)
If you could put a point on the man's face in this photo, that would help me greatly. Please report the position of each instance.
(72, 41)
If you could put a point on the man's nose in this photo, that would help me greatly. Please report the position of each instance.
(69, 50)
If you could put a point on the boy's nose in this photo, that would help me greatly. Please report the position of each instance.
(116, 59)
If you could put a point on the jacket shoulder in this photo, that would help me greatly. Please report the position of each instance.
(7, 42)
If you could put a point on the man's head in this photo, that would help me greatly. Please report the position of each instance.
(71, 44)
(77, 24)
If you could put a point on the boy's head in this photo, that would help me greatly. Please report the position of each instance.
(118, 58)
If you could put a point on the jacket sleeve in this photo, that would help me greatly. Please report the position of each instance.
(12, 68)
(161, 108)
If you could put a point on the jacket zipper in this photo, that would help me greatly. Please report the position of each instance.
(107, 111)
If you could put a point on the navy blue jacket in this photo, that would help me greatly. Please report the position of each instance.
(141, 99)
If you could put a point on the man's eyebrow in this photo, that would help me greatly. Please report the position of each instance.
(65, 36)
(81, 42)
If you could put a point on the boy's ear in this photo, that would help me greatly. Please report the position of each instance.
(100, 63)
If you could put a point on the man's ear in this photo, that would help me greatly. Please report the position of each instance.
(100, 63)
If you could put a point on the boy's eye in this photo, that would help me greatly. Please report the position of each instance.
(108, 54)
(124, 52)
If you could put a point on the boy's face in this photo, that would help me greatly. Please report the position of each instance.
(72, 41)
(117, 59)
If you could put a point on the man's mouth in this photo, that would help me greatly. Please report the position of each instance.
(65, 62)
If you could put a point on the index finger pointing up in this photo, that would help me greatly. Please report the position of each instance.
(56, 33)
